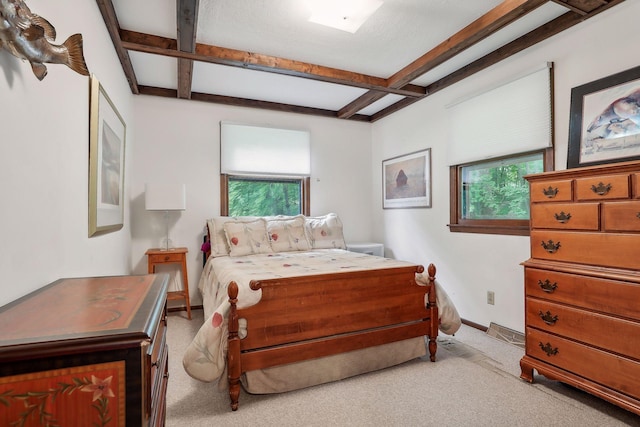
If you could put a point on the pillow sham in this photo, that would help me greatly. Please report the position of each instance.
(325, 232)
(217, 237)
(288, 234)
(247, 238)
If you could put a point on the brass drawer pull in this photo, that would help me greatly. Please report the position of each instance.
(547, 286)
(601, 189)
(167, 257)
(547, 348)
(638, 215)
(550, 246)
(550, 192)
(562, 217)
(548, 318)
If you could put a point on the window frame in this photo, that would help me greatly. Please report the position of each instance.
(305, 186)
(513, 227)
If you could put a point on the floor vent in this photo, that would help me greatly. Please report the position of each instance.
(505, 334)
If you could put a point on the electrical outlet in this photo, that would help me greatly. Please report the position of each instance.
(491, 297)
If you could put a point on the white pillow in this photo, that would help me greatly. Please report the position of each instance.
(325, 232)
(218, 239)
(288, 234)
(247, 238)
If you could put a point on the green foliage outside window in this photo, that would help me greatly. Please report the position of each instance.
(497, 190)
(263, 197)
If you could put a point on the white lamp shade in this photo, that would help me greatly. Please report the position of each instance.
(165, 197)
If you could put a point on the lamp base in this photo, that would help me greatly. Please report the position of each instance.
(166, 244)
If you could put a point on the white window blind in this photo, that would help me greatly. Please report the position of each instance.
(247, 149)
(513, 118)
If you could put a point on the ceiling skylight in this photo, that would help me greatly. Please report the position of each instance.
(345, 15)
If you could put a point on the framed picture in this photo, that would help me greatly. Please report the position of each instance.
(106, 163)
(604, 125)
(406, 181)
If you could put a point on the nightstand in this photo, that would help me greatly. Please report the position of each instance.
(376, 249)
(158, 256)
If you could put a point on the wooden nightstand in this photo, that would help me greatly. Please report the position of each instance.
(172, 256)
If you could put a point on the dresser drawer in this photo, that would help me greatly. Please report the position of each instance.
(551, 191)
(606, 249)
(568, 216)
(610, 370)
(603, 295)
(603, 187)
(159, 392)
(168, 257)
(621, 216)
(157, 352)
(586, 326)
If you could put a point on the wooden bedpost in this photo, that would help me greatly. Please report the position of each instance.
(233, 350)
(433, 309)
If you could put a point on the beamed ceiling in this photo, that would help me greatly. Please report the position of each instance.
(266, 54)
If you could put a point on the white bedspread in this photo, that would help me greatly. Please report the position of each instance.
(205, 358)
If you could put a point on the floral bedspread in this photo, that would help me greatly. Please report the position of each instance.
(205, 358)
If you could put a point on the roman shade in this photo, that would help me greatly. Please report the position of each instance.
(248, 149)
(512, 118)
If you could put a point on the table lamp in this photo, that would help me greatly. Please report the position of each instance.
(165, 197)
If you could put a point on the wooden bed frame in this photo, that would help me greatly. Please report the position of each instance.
(308, 317)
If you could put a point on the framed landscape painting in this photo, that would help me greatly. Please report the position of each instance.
(604, 125)
(106, 163)
(406, 181)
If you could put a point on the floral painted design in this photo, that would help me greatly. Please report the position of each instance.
(55, 400)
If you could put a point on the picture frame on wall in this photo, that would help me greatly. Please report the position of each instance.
(406, 181)
(107, 139)
(604, 123)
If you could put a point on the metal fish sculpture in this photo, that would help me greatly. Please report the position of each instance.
(28, 36)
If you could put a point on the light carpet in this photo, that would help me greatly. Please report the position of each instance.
(474, 382)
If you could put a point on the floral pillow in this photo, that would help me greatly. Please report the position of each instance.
(325, 232)
(247, 238)
(288, 234)
(217, 237)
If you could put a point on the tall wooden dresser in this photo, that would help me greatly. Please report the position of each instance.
(582, 282)
(86, 352)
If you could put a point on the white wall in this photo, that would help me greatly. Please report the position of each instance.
(44, 151)
(468, 265)
(181, 140)
(44, 166)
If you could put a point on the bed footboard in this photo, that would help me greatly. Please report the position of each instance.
(308, 317)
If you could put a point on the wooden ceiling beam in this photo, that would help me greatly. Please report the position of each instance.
(497, 18)
(111, 21)
(505, 13)
(532, 38)
(187, 16)
(248, 103)
(158, 45)
(353, 107)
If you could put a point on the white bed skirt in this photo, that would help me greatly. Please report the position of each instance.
(332, 368)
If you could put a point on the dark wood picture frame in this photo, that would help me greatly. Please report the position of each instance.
(604, 122)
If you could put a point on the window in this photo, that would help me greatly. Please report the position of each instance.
(263, 196)
(492, 196)
(264, 171)
(497, 136)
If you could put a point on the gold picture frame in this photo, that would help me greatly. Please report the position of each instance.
(107, 139)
